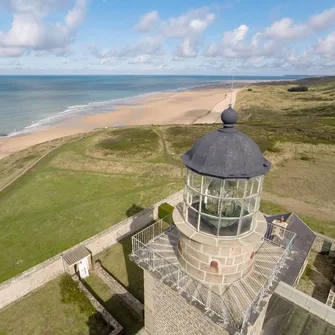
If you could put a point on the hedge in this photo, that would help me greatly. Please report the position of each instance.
(165, 212)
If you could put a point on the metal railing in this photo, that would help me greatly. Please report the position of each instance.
(221, 305)
(285, 242)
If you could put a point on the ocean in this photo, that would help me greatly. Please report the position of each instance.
(29, 103)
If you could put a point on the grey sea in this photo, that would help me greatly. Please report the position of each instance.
(29, 103)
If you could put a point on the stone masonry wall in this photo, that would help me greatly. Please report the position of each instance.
(126, 298)
(312, 305)
(30, 280)
(233, 262)
(117, 328)
(320, 239)
(166, 312)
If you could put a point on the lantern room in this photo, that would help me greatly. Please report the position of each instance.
(223, 181)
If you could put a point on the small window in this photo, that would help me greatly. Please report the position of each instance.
(180, 245)
(214, 264)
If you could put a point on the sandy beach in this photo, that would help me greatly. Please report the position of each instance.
(201, 105)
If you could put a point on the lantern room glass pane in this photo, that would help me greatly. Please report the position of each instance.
(230, 189)
(212, 187)
(192, 197)
(210, 206)
(230, 208)
(221, 207)
(250, 204)
(241, 184)
(209, 224)
(228, 227)
(192, 217)
(197, 179)
(245, 223)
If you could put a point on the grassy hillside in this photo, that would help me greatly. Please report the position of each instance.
(297, 133)
(87, 185)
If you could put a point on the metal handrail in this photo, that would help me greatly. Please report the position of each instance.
(220, 305)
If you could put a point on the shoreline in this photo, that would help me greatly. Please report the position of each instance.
(75, 111)
(201, 104)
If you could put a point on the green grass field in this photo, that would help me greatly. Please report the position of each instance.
(43, 312)
(79, 190)
(87, 185)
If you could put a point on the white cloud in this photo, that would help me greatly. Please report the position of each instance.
(75, 17)
(190, 24)
(323, 20)
(35, 7)
(326, 45)
(187, 49)
(149, 46)
(146, 46)
(142, 59)
(285, 29)
(147, 22)
(237, 35)
(273, 47)
(214, 50)
(29, 31)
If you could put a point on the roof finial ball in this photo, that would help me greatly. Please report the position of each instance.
(229, 117)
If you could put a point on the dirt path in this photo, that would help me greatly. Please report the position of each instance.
(294, 205)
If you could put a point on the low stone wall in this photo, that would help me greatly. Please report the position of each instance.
(117, 328)
(319, 242)
(128, 299)
(30, 280)
(307, 302)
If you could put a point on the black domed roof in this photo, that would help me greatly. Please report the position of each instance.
(226, 153)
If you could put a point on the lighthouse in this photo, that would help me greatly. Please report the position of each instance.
(212, 270)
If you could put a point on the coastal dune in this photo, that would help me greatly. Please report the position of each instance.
(200, 105)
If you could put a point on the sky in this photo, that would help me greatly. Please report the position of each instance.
(243, 37)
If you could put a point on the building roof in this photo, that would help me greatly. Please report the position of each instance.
(283, 317)
(302, 244)
(226, 153)
(76, 255)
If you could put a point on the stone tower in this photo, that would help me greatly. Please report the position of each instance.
(208, 273)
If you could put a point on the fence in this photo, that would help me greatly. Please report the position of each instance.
(285, 242)
(226, 309)
(179, 278)
(30, 280)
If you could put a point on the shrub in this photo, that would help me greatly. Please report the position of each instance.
(298, 89)
(249, 89)
(165, 212)
(72, 295)
(305, 157)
